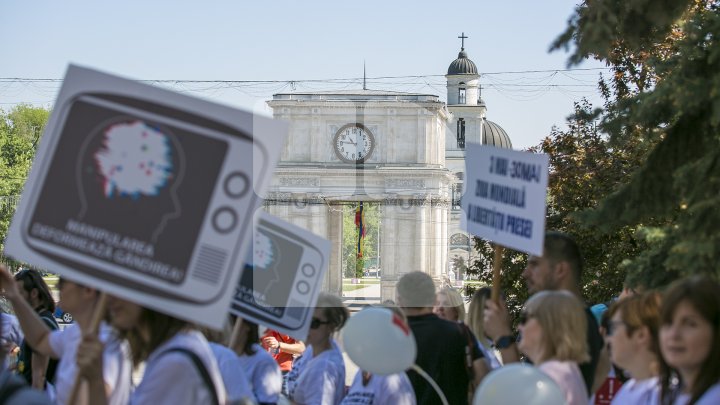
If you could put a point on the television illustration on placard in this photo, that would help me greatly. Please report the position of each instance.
(143, 194)
(281, 278)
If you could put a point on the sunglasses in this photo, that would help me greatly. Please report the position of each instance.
(315, 323)
(523, 318)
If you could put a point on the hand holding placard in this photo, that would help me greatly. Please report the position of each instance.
(505, 200)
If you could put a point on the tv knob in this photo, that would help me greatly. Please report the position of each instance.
(224, 219)
(236, 184)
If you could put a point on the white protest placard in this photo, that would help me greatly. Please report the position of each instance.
(145, 194)
(281, 280)
(504, 198)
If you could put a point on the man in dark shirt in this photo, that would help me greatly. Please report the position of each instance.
(559, 268)
(445, 351)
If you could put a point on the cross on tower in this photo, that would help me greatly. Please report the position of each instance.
(462, 39)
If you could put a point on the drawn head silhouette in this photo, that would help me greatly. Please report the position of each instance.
(128, 172)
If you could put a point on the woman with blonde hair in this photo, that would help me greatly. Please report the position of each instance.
(632, 335)
(553, 326)
(449, 305)
(475, 321)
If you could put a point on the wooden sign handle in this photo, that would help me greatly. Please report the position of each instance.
(497, 263)
(235, 333)
(94, 329)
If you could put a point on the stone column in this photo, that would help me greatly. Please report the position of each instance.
(333, 279)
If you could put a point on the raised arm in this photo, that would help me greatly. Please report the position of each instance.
(35, 330)
(497, 327)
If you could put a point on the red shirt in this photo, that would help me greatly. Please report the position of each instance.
(283, 359)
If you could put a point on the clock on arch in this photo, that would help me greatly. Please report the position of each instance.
(354, 143)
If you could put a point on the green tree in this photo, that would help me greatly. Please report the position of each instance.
(672, 198)
(584, 168)
(20, 130)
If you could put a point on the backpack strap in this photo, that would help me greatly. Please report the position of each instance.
(200, 367)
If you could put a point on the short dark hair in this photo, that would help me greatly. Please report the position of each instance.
(32, 280)
(560, 247)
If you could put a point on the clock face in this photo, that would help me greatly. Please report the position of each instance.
(354, 143)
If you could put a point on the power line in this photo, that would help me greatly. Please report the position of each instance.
(337, 80)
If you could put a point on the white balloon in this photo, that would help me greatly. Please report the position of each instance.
(378, 341)
(518, 384)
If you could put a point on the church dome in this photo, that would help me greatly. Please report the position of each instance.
(462, 65)
(494, 135)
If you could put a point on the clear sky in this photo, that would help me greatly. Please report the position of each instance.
(300, 46)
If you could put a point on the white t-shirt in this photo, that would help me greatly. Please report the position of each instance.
(173, 378)
(322, 379)
(711, 397)
(299, 365)
(117, 366)
(567, 376)
(234, 377)
(264, 373)
(11, 331)
(638, 392)
(489, 355)
(381, 389)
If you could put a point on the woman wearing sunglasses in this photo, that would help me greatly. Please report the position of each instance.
(553, 327)
(318, 377)
(632, 335)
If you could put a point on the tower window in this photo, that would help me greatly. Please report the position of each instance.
(461, 95)
(461, 133)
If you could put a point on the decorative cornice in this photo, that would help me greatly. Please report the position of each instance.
(299, 181)
(416, 184)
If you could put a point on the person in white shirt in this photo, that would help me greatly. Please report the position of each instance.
(11, 337)
(234, 374)
(632, 336)
(553, 327)
(114, 376)
(180, 367)
(373, 389)
(260, 367)
(321, 376)
(689, 336)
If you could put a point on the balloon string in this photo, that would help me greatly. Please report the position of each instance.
(431, 381)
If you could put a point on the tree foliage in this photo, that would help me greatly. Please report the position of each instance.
(20, 130)
(673, 196)
(584, 168)
(352, 265)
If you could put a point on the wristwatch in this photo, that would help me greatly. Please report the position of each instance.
(504, 342)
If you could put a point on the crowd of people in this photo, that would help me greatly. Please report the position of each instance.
(646, 347)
